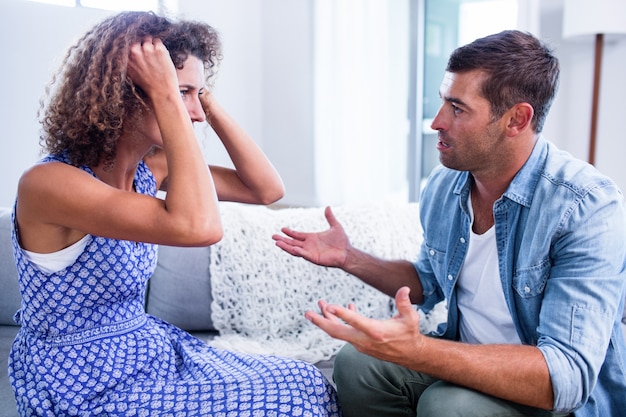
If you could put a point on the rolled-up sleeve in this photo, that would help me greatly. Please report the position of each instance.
(583, 295)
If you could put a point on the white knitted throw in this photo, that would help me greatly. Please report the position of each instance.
(260, 293)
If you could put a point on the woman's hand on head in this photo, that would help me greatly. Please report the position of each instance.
(151, 68)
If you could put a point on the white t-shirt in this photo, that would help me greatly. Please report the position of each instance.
(56, 261)
(483, 313)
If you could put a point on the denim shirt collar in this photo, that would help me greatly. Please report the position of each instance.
(522, 188)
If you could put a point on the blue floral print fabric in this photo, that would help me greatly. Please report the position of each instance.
(87, 348)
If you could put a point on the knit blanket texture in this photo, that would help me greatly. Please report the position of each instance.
(260, 293)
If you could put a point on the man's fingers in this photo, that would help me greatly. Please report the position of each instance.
(331, 325)
(348, 317)
(404, 306)
(403, 301)
(294, 234)
(289, 248)
(330, 216)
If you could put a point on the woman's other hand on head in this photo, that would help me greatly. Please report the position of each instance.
(206, 100)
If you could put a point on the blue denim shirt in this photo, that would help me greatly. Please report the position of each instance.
(561, 239)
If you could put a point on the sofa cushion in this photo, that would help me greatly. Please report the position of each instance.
(10, 298)
(180, 288)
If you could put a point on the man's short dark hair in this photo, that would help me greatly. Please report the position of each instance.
(519, 67)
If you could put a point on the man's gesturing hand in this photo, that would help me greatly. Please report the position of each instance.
(394, 340)
(327, 248)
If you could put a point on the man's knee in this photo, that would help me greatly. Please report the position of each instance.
(353, 368)
(370, 387)
(445, 399)
(348, 361)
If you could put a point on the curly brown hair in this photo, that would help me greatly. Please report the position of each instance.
(91, 95)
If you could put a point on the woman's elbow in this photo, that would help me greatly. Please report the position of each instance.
(211, 234)
(204, 233)
(271, 194)
(212, 238)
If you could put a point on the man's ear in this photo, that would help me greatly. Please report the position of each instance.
(520, 118)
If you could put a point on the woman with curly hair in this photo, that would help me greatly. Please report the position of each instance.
(118, 128)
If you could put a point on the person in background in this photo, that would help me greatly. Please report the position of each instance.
(525, 244)
(117, 127)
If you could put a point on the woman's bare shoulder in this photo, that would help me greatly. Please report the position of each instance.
(38, 196)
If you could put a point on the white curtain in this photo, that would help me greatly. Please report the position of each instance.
(361, 90)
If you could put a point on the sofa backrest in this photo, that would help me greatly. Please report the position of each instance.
(10, 298)
(179, 291)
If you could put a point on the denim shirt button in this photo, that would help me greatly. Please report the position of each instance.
(462, 240)
(527, 289)
(450, 277)
(432, 252)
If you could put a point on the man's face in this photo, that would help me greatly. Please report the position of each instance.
(469, 139)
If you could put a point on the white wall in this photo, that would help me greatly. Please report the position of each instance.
(266, 83)
(33, 38)
(238, 86)
(568, 124)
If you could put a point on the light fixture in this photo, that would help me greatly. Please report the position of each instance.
(594, 18)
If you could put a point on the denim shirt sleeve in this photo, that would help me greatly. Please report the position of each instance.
(582, 294)
(569, 277)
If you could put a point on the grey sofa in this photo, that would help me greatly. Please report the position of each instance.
(9, 303)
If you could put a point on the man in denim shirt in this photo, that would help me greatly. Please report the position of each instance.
(527, 246)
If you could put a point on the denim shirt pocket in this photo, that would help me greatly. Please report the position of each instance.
(437, 260)
(531, 281)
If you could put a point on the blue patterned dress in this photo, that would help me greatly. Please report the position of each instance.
(87, 348)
